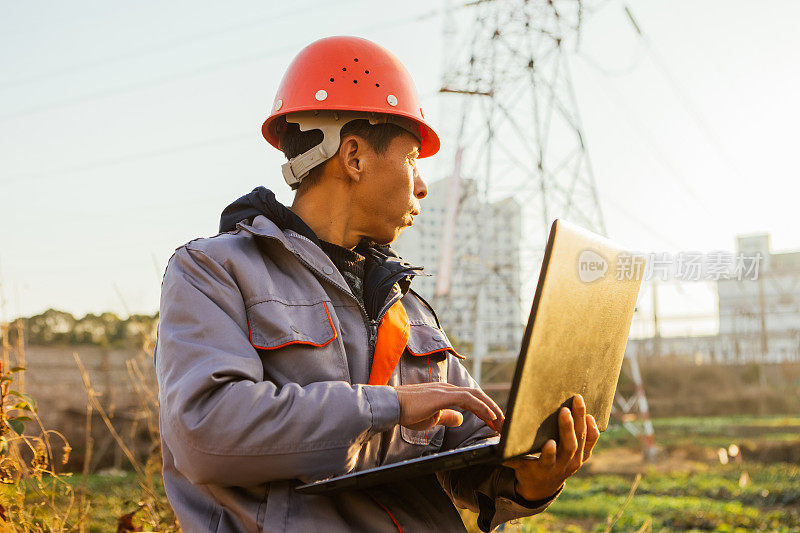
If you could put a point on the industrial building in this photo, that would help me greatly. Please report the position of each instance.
(759, 319)
(758, 311)
(485, 255)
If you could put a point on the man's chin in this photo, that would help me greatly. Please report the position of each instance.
(385, 239)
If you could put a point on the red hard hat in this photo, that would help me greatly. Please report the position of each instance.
(349, 73)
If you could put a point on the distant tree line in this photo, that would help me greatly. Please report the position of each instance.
(55, 327)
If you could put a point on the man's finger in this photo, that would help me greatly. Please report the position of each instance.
(466, 400)
(579, 418)
(485, 398)
(568, 442)
(548, 455)
(423, 401)
(592, 435)
(449, 418)
(546, 458)
(495, 421)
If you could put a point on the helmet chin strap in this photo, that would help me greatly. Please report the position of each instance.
(330, 123)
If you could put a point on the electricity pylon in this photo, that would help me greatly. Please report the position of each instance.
(518, 134)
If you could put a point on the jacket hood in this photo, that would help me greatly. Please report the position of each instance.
(262, 201)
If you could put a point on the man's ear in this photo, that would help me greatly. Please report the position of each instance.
(351, 157)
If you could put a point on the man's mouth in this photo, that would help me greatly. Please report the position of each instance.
(411, 215)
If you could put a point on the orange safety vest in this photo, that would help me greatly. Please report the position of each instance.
(393, 333)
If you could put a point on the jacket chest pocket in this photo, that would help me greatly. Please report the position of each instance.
(298, 342)
(425, 361)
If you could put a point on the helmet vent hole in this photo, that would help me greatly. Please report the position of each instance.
(366, 72)
(355, 81)
(377, 85)
(344, 69)
(331, 79)
(356, 60)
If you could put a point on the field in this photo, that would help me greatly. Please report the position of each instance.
(687, 489)
(712, 473)
(713, 500)
(113, 501)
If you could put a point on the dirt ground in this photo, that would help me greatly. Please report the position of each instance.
(627, 461)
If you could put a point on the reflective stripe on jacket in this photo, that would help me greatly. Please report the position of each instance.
(262, 360)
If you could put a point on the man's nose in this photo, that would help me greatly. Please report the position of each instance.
(420, 189)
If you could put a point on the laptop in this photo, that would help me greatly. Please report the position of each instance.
(574, 343)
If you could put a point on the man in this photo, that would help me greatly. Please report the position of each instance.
(291, 347)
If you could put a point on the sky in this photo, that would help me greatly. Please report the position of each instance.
(125, 129)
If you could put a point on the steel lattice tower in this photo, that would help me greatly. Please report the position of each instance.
(520, 123)
(519, 133)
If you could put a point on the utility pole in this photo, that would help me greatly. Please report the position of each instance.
(634, 413)
(763, 317)
(656, 328)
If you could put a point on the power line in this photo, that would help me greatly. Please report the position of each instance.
(147, 50)
(634, 64)
(104, 162)
(219, 65)
(663, 160)
(110, 161)
(682, 95)
(643, 224)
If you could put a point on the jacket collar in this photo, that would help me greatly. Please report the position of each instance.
(299, 245)
(388, 279)
(387, 276)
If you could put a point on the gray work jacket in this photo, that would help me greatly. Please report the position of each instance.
(262, 358)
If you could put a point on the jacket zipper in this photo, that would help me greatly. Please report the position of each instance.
(372, 331)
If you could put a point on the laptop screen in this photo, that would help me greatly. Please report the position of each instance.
(575, 339)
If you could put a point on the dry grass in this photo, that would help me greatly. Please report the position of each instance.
(36, 494)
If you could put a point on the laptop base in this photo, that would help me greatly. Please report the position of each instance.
(481, 453)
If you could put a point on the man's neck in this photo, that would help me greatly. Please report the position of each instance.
(328, 211)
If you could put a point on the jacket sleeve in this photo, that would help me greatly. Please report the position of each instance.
(223, 421)
(486, 490)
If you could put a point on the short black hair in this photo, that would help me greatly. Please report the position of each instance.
(294, 142)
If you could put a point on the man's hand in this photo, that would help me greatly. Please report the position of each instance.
(539, 478)
(424, 405)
